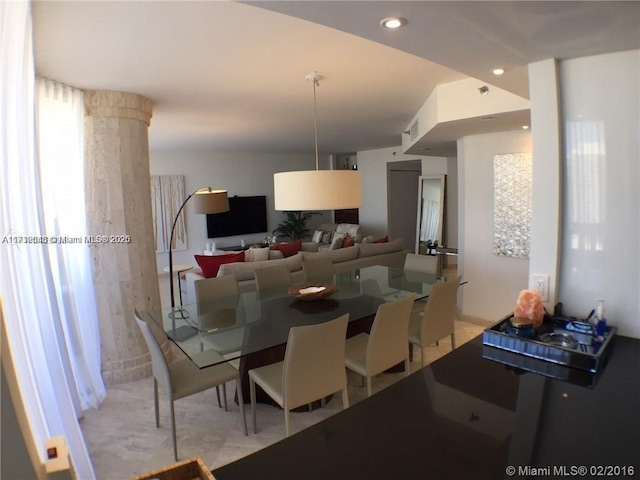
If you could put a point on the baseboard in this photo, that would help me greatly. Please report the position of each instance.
(483, 322)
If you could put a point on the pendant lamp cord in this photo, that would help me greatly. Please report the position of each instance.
(316, 83)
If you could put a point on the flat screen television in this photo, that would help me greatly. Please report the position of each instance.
(246, 215)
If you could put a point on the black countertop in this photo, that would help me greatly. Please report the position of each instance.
(468, 417)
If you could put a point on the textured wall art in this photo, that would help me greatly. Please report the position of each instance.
(512, 184)
(167, 195)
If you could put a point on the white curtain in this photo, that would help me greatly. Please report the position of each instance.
(39, 282)
(167, 195)
(60, 139)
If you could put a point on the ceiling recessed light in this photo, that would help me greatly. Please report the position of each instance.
(497, 71)
(483, 90)
(525, 127)
(488, 119)
(393, 22)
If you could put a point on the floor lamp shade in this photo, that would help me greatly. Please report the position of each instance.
(210, 201)
(317, 190)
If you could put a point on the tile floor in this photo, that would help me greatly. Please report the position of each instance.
(123, 441)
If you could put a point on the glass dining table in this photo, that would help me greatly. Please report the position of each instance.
(253, 328)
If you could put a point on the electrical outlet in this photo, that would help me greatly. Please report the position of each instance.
(541, 285)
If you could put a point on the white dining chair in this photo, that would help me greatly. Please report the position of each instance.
(318, 270)
(313, 368)
(421, 263)
(182, 378)
(272, 281)
(369, 354)
(436, 320)
(217, 302)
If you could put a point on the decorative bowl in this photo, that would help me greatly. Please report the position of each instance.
(308, 291)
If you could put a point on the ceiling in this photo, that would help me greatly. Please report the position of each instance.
(230, 76)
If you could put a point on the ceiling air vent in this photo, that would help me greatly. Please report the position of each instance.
(413, 131)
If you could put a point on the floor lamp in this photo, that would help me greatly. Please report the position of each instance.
(205, 200)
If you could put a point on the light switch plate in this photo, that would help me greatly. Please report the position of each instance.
(540, 283)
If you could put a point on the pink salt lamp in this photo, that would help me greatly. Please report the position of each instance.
(529, 305)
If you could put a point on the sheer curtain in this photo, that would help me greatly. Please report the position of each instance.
(37, 286)
(60, 140)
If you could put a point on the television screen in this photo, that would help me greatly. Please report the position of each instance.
(246, 215)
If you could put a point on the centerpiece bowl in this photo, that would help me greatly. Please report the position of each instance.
(308, 291)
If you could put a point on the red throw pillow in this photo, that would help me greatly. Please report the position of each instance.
(210, 264)
(384, 239)
(347, 241)
(288, 249)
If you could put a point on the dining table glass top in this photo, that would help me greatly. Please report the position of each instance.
(232, 327)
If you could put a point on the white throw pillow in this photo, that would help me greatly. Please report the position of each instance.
(256, 254)
(317, 236)
(336, 243)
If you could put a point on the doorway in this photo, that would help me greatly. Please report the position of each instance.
(402, 200)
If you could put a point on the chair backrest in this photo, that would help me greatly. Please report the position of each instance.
(439, 311)
(421, 263)
(217, 299)
(314, 362)
(371, 287)
(388, 342)
(272, 281)
(319, 269)
(158, 362)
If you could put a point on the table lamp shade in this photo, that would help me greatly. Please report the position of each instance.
(317, 190)
(210, 201)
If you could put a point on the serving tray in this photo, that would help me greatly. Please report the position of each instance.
(583, 353)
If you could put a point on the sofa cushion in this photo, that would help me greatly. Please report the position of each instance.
(336, 243)
(368, 239)
(275, 254)
(288, 249)
(384, 239)
(317, 236)
(211, 264)
(368, 249)
(310, 246)
(336, 256)
(246, 271)
(256, 254)
(348, 241)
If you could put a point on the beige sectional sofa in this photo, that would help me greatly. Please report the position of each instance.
(344, 259)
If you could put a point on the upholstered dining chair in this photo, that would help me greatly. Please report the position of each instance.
(182, 378)
(421, 263)
(385, 346)
(217, 300)
(313, 368)
(436, 320)
(318, 269)
(272, 281)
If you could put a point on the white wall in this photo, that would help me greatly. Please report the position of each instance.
(240, 174)
(547, 175)
(601, 239)
(494, 281)
(373, 166)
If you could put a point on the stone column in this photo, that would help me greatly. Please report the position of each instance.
(118, 196)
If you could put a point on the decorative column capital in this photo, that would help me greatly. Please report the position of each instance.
(108, 103)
